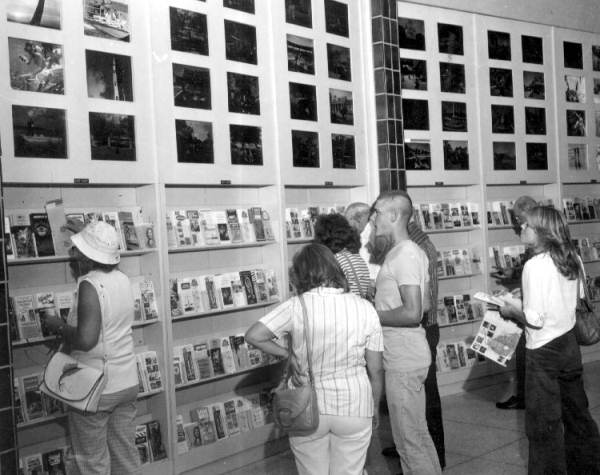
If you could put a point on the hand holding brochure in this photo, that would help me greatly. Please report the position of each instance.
(497, 337)
(501, 298)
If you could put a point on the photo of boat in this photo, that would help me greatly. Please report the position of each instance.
(106, 19)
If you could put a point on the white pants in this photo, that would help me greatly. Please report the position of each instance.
(338, 447)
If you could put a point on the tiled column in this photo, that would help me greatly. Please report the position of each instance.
(392, 173)
(8, 436)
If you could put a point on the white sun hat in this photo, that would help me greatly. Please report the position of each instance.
(99, 242)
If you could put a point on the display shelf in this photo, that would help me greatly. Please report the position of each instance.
(462, 276)
(41, 421)
(224, 311)
(149, 393)
(219, 247)
(299, 241)
(52, 259)
(500, 228)
(41, 341)
(584, 221)
(457, 229)
(144, 323)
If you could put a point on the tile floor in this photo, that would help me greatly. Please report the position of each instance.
(480, 439)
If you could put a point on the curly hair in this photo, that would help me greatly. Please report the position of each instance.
(315, 266)
(554, 238)
(335, 232)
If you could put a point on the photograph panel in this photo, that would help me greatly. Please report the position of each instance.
(577, 156)
(501, 83)
(576, 123)
(415, 113)
(245, 145)
(343, 151)
(456, 155)
(532, 49)
(112, 137)
(301, 55)
(499, 45)
(573, 56)
(241, 5)
(36, 66)
(533, 85)
(108, 76)
(574, 88)
(452, 78)
(413, 74)
(336, 18)
(194, 141)
(104, 19)
(411, 33)
(243, 94)
(298, 12)
(535, 121)
(505, 157)
(338, 62)
(450, 38)
(417, 155)
(191, 86)
(305, 149)
(537, 156)
(34, 12)
(341, 109)
(503, 119)
(189, 32)
(240, 42)
(303, 101)
(454, 116)
(39, 132)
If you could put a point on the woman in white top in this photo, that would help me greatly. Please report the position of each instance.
(345, 335)
(104, 442)
(563, 437)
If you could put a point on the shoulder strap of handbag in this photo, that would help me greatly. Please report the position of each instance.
(306, 339)
(355, 274)
(581, 278)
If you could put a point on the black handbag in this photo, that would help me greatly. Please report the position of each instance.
(295, 409)
(587, 321)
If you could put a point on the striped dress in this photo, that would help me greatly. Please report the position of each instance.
(356, 271)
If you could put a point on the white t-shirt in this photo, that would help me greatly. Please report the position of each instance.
(364, 252)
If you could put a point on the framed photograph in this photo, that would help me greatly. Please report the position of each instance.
(106, 19)
(573, 56)
(597, 119)
(454, 116)
(417, 155)
(303, 101)
(241, 5)
(503, 119)
(532, 49)
(36, 66)
(343, 151)
(505, 157)
(189, 32)
(595, 58)
(34, 12)
(452, 78)
(413, 74)
(108, 76)
(597, 90)
(535, 121)
(39, 132)
(246, 145)
(575, 123)
(456, 155)
(298, 12)
(301, 54)
(336, 18)
(240, 42)
(537, 156)
(243, 94)
(338, 62)
(499, 45)
(305, 149)
(574, 88)
(533, 85)
(577, 156)
(450, 38)
(341, 109)
(112, 137)
(501, 82)
(411, 33)
(194, 141)
(415, 113)
(191, 86)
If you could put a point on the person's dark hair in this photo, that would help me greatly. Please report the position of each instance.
(335, 232)
(554, 238)
(315, 266)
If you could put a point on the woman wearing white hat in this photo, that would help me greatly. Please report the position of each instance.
(98, 333)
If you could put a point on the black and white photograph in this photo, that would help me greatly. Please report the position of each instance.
(189, 32)
(413, 74)
(343, 151)
(537, 156)
(501, 83)
(108, 76)
(573, 56)
(533, 85)
(34, 12)
(194, 141)
(597, 120)
(106, 19)
(535, 121)
(191, 86)
(241, 5)
(452, 78)
(417, 155)
(503, 119)
(597, 90)
(576, 123)
(532, 48)
(341, 110)
(305, 149)
(577, 156)
(415, 113)
(456, 155)
(243, 94)
(303, 101)
(36, 66)
(246, 145)
(112, 137)
(454, 116)
(298, 12)
(574, 88)
(338, 62)
(499, 45)
(39, 132)
(411, 33)
(505, 157)
(240, 42)
(336, 18)
(301, 54)
(595, 58)
(450, 38)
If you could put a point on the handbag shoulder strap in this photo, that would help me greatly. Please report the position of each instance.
(581, 278)
(101, 296)
(306, 338)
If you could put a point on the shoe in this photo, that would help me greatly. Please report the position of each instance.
(512, 402)
(390, 452)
